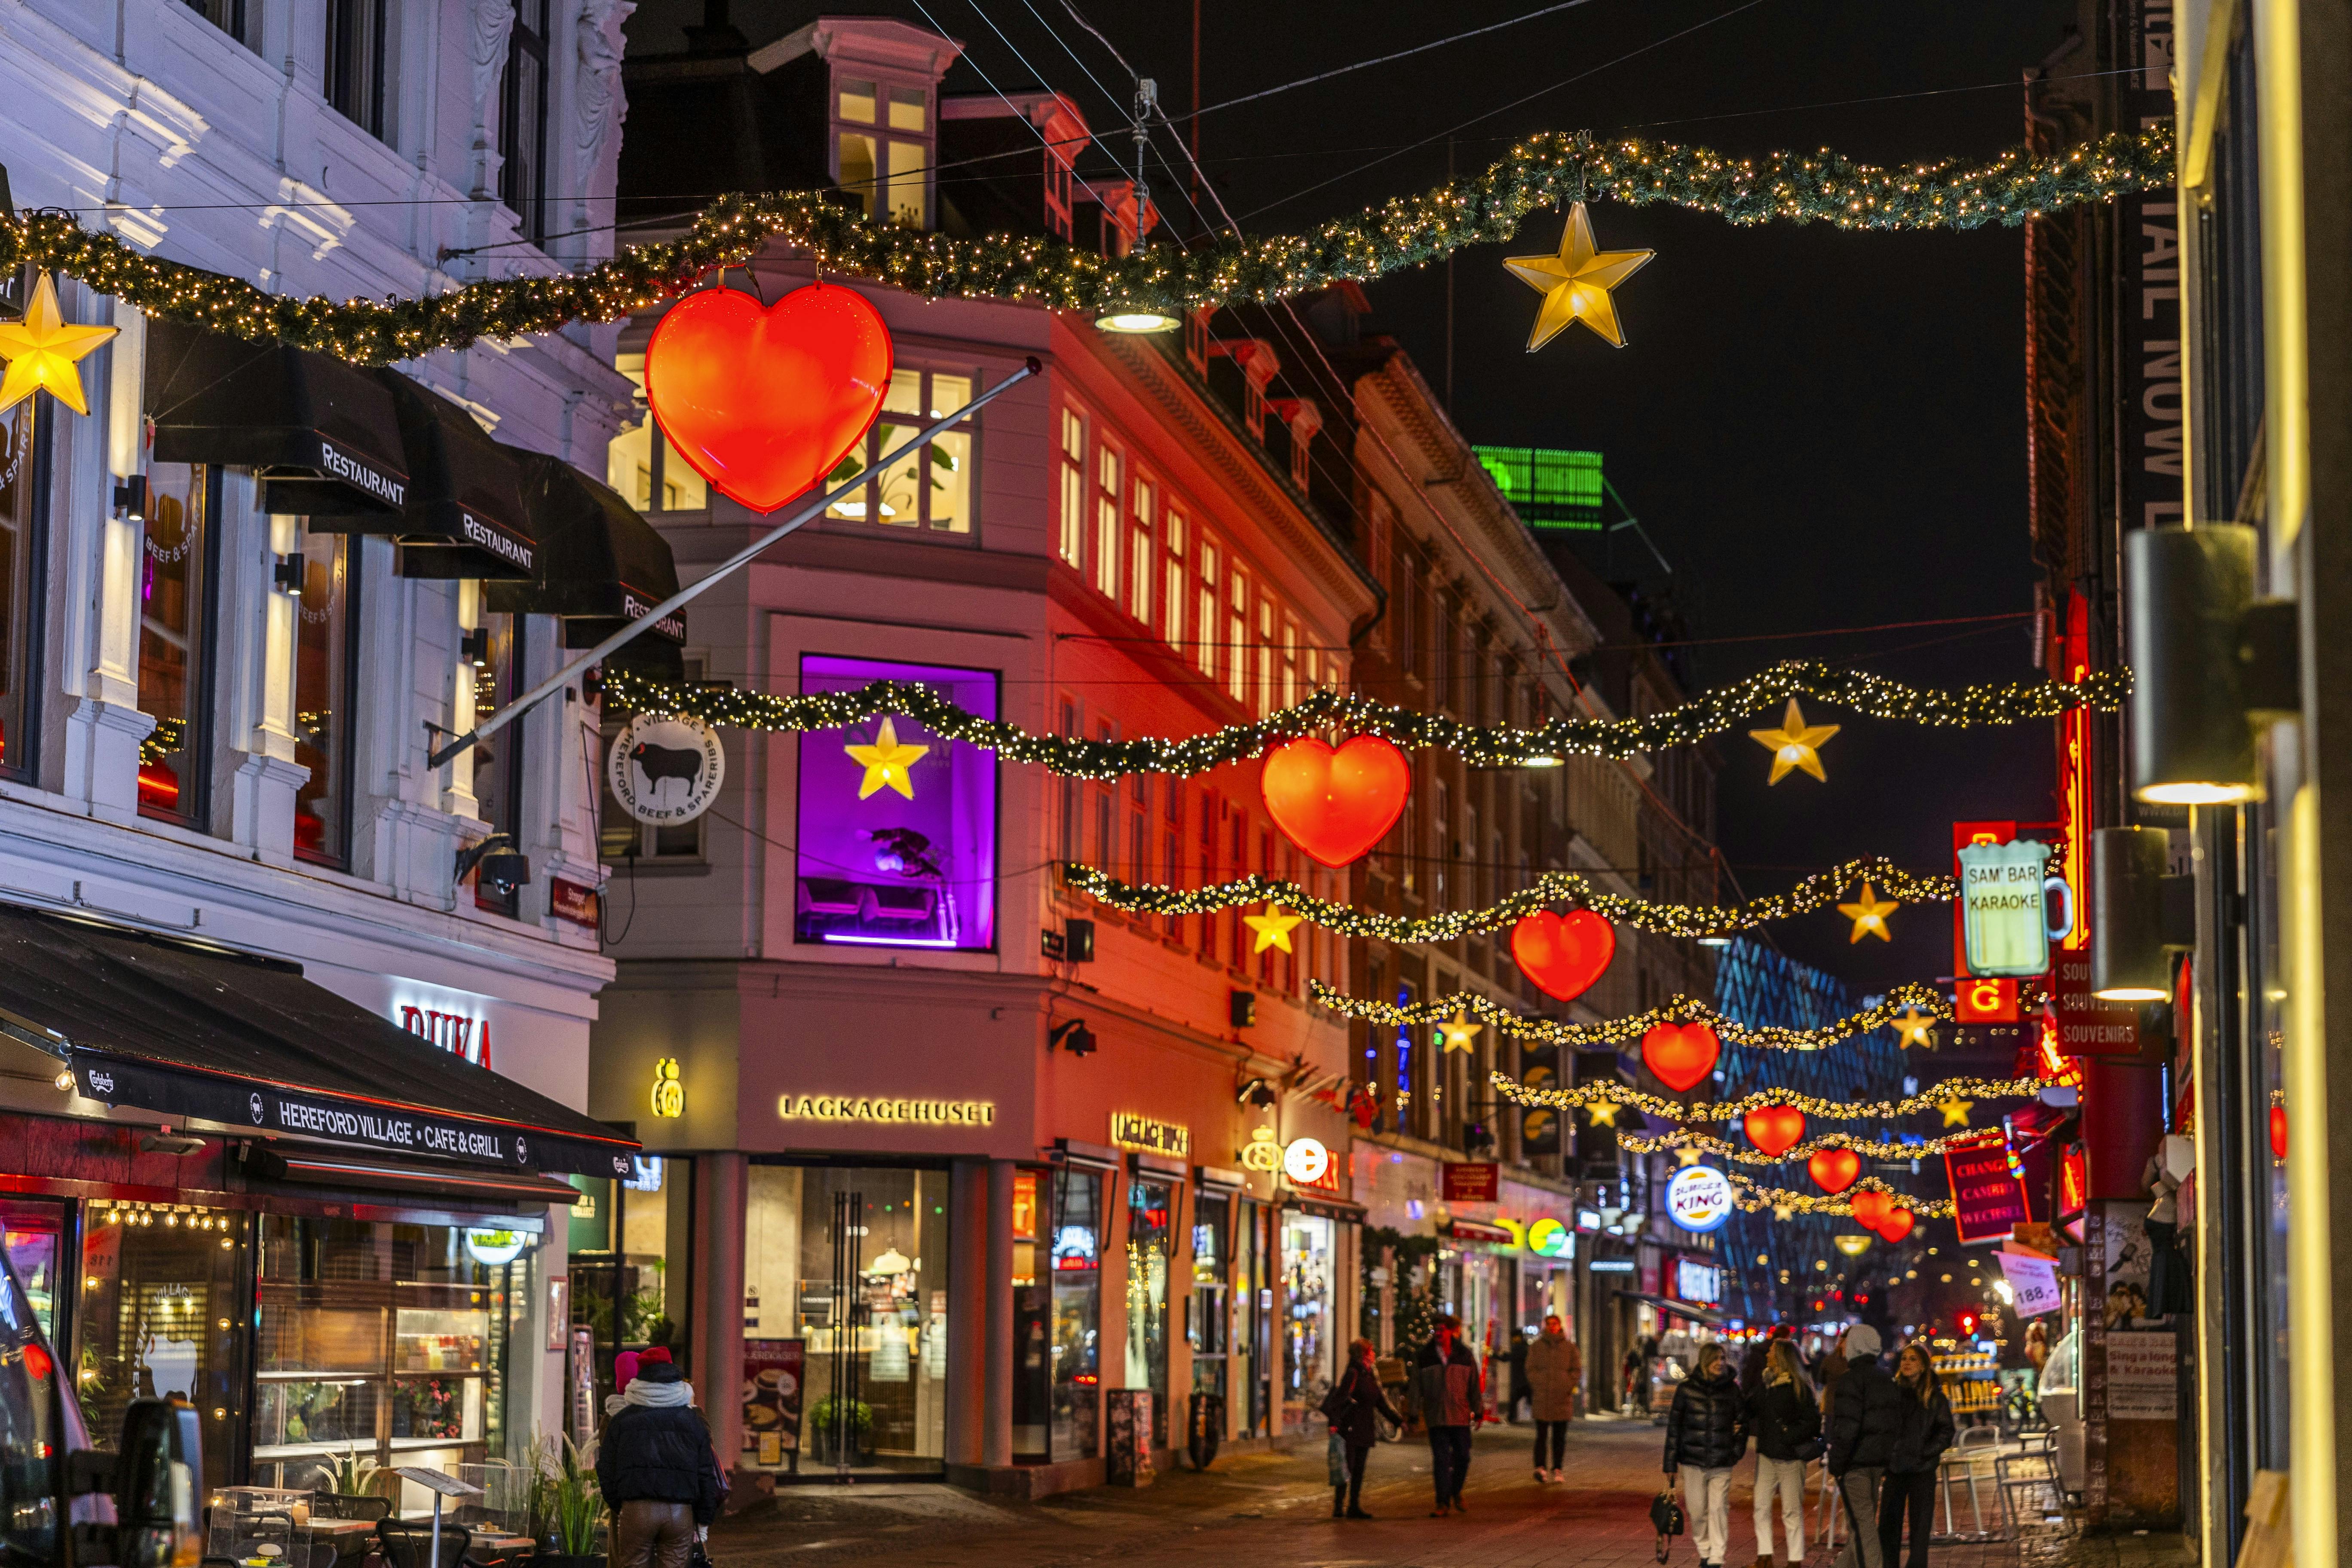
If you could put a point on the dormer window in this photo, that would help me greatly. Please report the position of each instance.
(882, 141)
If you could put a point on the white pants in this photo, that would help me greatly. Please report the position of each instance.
(1706, 1499)
(1785, 1477)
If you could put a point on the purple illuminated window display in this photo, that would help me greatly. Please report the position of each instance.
(888, 871)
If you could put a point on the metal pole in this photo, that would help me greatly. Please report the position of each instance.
(563, 678)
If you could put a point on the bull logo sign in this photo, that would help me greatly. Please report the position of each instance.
(664, 768)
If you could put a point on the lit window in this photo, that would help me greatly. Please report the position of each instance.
(929, 489)
(1237, 638)
(882, 147)
(326, 688)
(1139, 582)
(1106, 522)
(1172, 545)
(175, 604)
(1072, 463)
(1265, 673)
(20, 503)
(1204, 627)
(643, 464)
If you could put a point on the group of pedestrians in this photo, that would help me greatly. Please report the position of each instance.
(1881, 1437)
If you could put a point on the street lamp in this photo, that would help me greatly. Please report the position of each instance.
(2209, 661)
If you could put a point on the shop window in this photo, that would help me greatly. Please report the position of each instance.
(628, 1262)
(1076, 1257)
(929, 489)
(175, 641)
(1150, 1225)
(1253, 1354)
(621, 837)
(1071, 462)
(389, 1344)
(159, 1315)
(844, 1319)
(23, 481)
(882, 147)
(496, 651)
(33, 1232)
(642, 464)
(326, 694)
(523, 121)
(1309, 1332)
(897, 841)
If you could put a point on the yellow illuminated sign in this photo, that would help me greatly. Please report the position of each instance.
(670, 1094)
(1129, 1130)
(860, 1107)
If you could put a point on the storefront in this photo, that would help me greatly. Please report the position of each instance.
(330, 1235)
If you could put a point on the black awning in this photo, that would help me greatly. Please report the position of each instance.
(1709, 1316)
(323, 435)
(466, 515)
(416, 1176)
(601, 564)
(208, 1035)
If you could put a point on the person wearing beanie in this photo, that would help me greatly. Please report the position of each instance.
(656, 1470)
(1864, 1419)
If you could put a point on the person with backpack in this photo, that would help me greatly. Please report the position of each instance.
(1865, 1416)
(1555, 1366)
(1786, 1422)
(1927, 1429)
(656, 1470)
(1453, 1400)
(1706, 1436)
(1353, 1407)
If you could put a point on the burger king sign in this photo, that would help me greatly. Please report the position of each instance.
(1699, 1198)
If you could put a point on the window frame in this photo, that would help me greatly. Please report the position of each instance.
(1070, 468)
(365, 103)
(525, 42)
(883, 135)
(204, 672)
(1176, 576)
(510, 764)
(345, 740)
(1109, 487)
(32, 674)
(872, 453)
(1142, 548)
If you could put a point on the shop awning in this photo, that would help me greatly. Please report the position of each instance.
(1689, 1309)
(417, 1177)
(206, 1034)
(1472, 1230)
(322, 435)
(600, 566)
(466, 515)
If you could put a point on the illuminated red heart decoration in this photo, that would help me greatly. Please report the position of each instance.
(1335, 803)
(764, 400)
(1869, 1206)
(1563, 955)
(1774, 1128)
(1680, 1054)
(2278, 1132)
(1896, 1223)
(1833, 1169)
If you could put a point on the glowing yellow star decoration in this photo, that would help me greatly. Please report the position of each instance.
(1869, 915)
(1955, 1112)
(1575, 283)
(1783, 1211)
(1689, 1156)
(1911, 1027)
(1794, 743)
(1460, 1031)
(42, 349)
(1603, 1112)
(1272, 928)
(886, 761)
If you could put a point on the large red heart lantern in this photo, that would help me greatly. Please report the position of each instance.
(1680, 1054)
(1896, 1223)
(1833, 1169)
(1563, 955)
(1774, 1128)
(1335, 803)
(763, 400)
(1869, 1206)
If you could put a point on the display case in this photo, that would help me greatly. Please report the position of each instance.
(259, 1527)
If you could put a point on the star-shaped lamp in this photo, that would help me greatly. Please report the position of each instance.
(1576, 282)
(886, 761)
(1459, 1031)
(1955, 1112)
(1794, 744)
(1603, 1112)
(1869, 915)
(1784, 1211)
(1689, 1156)
(1272, 928)
(41, 351)
(1911, 1027)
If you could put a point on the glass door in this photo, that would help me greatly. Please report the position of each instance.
(1209, 1315)
(1151, 1219)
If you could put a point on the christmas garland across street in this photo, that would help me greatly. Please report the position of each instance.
(1542, 172)
(1658, 1105)
(1724, 1149)
(1926, 1000)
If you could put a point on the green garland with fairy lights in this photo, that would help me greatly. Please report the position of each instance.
(1724, 1149)
(1541, 172)
(1618, 1094)
(1755, 1198)
(1905, 997)
(1480, 745)
(1819, 891)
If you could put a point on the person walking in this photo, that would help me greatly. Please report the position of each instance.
(1353, 1407)
(1519, 1388)
(656, 1470)
(1445, 1375)
(1555, 1367)
(1786, 1422)
(1864, 1418)
(1925, 1429)
(1706, 1436)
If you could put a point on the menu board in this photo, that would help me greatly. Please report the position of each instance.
(774, 1372)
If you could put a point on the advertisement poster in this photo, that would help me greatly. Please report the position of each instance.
(2143, 1377)
(1988, 1199)
(774, 1372)
(2034, 1279)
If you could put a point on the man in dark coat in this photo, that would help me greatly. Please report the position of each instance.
(657, 1472)
(1866, 1416)
(1446, 1377)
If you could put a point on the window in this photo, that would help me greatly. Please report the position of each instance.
(1441, 831)
(23, 475)
(1072, 462)
(496, 651)
(175, 641)
(1170, 845)
(1266, 671)
(1076, 1410)
(1073, 847)
(326, 659)
(1171, 550)
(235, 18)
(523, 121)
(642, 464)
(882, 147)
(1240, 865)
(1150, 1225)
(1139, 829)
(1237, 637)
(1204, 625)
(358, 62)
(1139, 574)
(1106, 522)
(929, 489)
(157, 1315)
(1207, 871)
(1290, 661)
(1106, 831)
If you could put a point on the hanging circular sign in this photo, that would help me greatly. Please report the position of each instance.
(491, 1249)
(1547, 1237)
(1305, 1161)
(664, 768)
(1699, 1198)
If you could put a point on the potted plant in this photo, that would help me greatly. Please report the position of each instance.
(567, 1510)
(827, 1421)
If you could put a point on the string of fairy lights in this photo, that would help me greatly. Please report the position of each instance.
(1615, 1097)
(1907, 1002)
(1753, 1197)
(1480, 745)
(1724, 1149)
(1538, 172)
(1819, 891)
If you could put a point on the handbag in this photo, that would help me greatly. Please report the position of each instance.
(1667, 1519)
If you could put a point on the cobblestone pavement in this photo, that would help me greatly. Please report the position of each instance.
(1275, 1508)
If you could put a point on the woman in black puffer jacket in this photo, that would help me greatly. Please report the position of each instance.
(1925, 1431)
(1707, 1434)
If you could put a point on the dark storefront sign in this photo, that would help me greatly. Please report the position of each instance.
(1472, 1181)
(1987, 1197)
